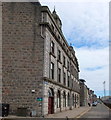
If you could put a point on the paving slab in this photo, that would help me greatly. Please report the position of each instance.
(64, 114)
(70, 113)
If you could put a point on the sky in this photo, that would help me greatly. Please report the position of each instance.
(85, 25)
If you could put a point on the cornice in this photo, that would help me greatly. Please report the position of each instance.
(59, 84)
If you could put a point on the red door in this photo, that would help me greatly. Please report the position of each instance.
(50, 105)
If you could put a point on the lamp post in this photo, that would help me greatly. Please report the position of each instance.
(104, 88)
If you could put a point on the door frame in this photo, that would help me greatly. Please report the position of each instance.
(51, 96)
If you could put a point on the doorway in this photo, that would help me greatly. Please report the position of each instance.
(50, 101)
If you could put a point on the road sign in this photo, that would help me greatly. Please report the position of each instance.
(39, 99)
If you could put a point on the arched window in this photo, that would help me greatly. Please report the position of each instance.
(68, 100)
(64, 99)
(50, 92)
(77, 99)
(73, 99)
(58, 99)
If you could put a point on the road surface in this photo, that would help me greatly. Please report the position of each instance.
(99, 111)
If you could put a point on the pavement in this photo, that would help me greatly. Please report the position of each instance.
(75, 113)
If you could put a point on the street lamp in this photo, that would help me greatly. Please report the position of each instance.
(104, 88)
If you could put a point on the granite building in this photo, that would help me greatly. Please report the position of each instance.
(40, 71)
(84, 93)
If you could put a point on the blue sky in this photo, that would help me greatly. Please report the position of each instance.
(85, 25)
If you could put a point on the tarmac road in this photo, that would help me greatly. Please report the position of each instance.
(99, 111)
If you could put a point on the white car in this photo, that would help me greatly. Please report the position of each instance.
(94, 104)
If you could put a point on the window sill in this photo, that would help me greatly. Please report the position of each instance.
(52, 54)
(64, 66)
(59, 61)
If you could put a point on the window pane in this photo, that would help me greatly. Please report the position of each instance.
(52, 47)
(59, 74)
(64, 60)
(64, 78)
(68, 81)
(59, 55)
(52, 71)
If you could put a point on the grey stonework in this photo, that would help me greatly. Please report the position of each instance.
(84, 94)
(28, 29)
(22, 50)
(0, 52)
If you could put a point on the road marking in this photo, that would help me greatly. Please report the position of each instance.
(83, 113)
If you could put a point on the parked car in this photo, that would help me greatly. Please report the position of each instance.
(94, 104)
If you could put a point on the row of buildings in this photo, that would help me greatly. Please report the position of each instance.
(40, 72)
(87, 96)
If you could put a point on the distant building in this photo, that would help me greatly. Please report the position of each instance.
(40, 71)
(84, 93)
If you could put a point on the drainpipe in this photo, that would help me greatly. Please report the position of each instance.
(42, 107)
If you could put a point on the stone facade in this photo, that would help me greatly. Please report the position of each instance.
(23, 55)
(84, 93)
(0, 52)
(53, 33)
(31, 40)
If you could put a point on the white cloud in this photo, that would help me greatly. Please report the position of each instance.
(92, 58)
(84, 22)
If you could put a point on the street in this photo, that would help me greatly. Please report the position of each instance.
(99, 111)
